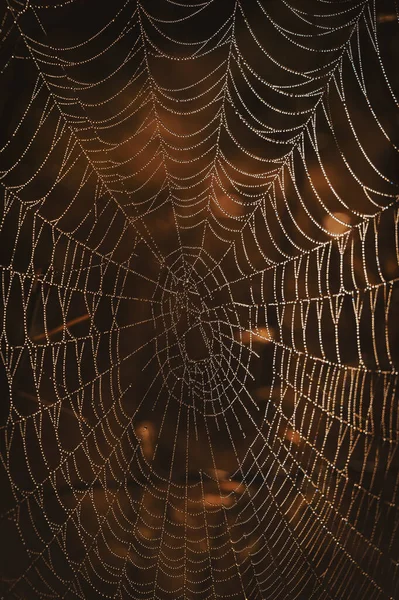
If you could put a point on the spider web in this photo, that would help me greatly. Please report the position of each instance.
(199, 277)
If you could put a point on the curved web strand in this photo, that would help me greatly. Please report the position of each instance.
(199, 287)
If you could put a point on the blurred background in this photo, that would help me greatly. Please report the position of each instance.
(199, 260)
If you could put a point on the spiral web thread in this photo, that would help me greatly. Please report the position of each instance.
(199, 267)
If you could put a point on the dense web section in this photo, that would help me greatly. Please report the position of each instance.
(199, 290)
